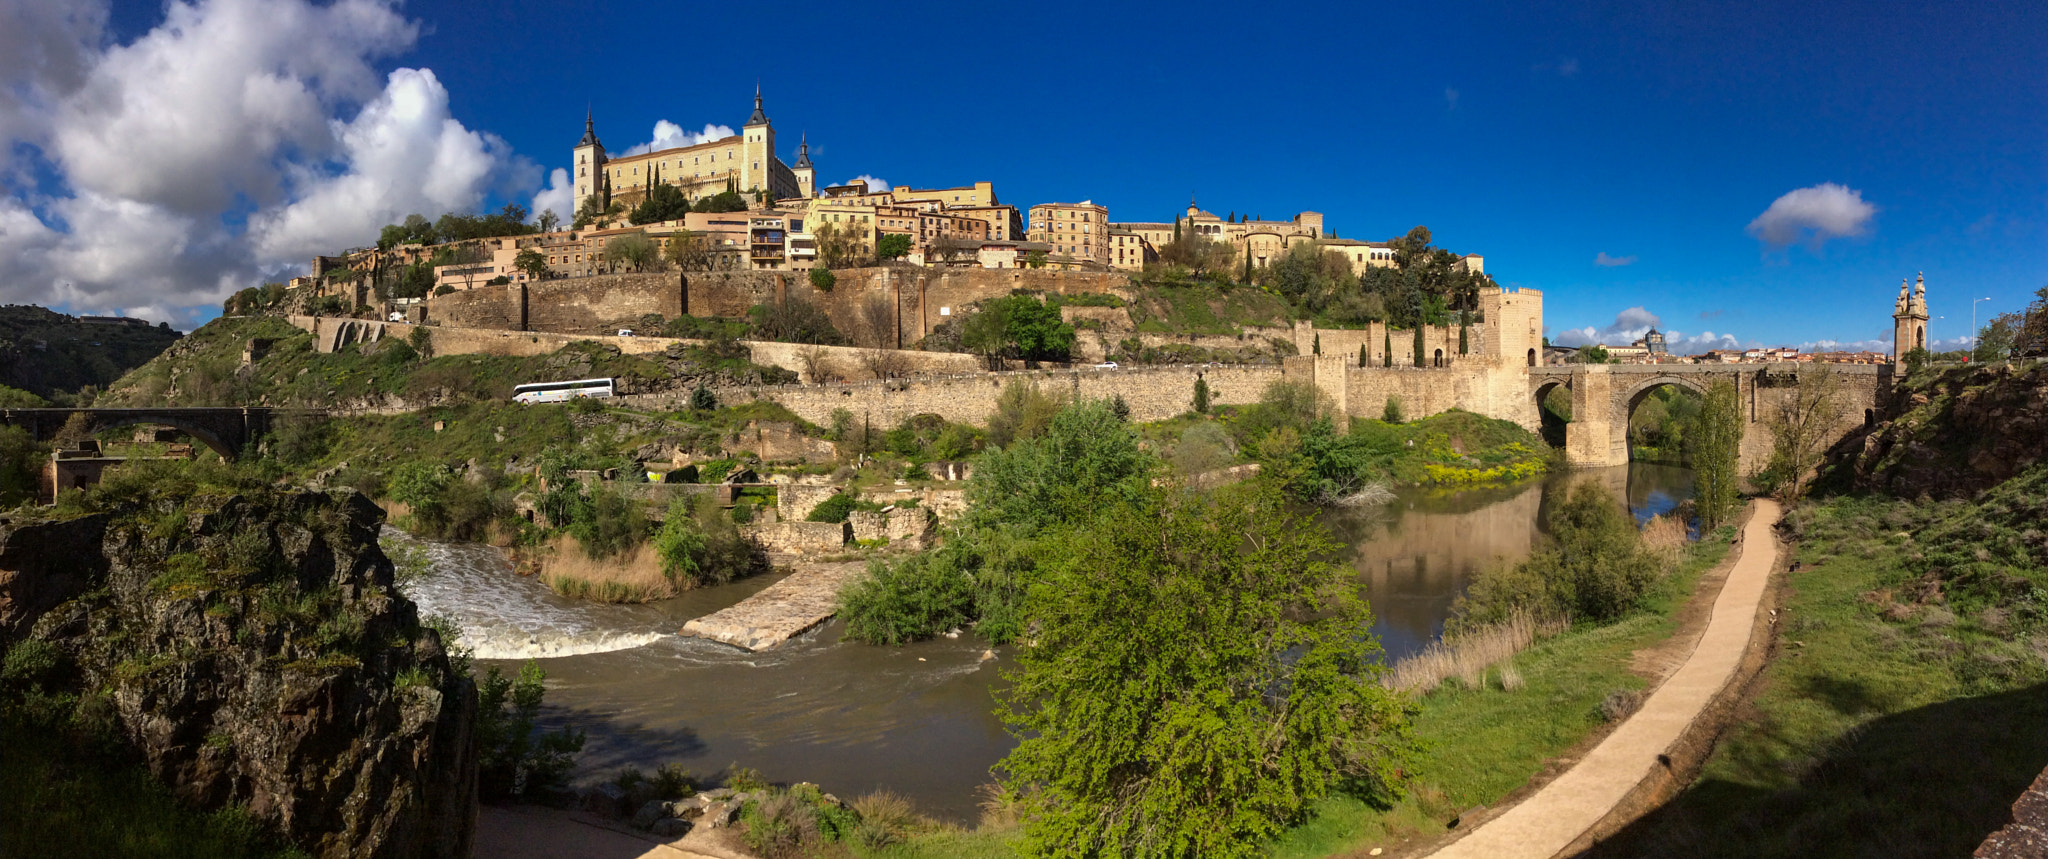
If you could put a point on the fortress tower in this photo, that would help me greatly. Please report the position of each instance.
(757, 149)
(806, 175)
(588, 162)
(1909, 318)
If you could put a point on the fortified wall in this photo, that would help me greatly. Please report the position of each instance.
(918, 299)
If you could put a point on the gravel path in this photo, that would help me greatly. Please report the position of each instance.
(1545, 823)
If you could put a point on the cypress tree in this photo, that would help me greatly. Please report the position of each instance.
(1387, 347)
(1362, 356)
(1316, 348)
(1716, 440)
(1464, 325)
(1201, 396)
(1176, 229)
(1247, 266)
(1418, 345)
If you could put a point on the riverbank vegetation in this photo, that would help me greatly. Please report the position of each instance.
(1910, 627)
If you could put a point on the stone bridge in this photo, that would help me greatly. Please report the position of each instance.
(1605, 395)
(228, 431)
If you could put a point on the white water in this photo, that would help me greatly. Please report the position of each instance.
(503, 615)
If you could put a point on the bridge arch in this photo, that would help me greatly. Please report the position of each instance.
(199, 433)
(1550, 425)
(1625, 406)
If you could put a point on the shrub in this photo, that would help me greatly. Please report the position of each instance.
(823, 279)
(917, 597)
(1392, 413)
(512, 759)
(834, 509)
(1594, 567)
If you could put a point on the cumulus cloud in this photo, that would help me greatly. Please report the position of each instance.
(1604, 260)
(876, 185)
(1632, 324)
(668, 135)
(558, 197)
(403, 153)
(226, 145)
(1814, 215)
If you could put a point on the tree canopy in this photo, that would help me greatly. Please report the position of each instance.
(1138, 742)
(416, 229)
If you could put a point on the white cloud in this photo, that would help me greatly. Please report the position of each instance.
(1604, 260)
(225, 146)
(1814, 215)
(558, 197)
(876, 185)
(668, 135)
(403, 153)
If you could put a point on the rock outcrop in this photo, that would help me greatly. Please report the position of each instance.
(253, 651)
(1965, 431)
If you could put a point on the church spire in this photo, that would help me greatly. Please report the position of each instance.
(803, 152)
(589, 129)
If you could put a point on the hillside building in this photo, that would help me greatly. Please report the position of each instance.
(746, 162)
(1077, 232)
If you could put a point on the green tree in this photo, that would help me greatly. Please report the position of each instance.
(1362, 357)
(1201, 396)
(1464, 332)
(1035, 259)
(702, 399)
(420, 486)
(547, 221)
(1594, 353)
(2031, 337)
(892, 246)
(1802, 421)
(1316, 347)
(663, 203)
(1392, 412)
(721, 202)
(1387, 346)
(823, 279)
(513, 758)
(1996, 339)
(632, 249)
(1199, 678)
(1717, 453)
(1418, 347)
(533, 262)
(689, 251)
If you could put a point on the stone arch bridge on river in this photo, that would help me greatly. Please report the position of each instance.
(1605, 395)
(227, 431)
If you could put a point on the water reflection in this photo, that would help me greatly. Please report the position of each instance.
(917, 719)
(1418, 553)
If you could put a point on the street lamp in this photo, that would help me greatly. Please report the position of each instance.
(1973, 319)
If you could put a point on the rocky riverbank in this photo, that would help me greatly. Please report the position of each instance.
(249, 647)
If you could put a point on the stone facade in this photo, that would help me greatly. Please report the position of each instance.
(796, 501)
(803, 538)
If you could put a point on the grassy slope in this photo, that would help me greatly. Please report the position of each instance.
(1896, 719)
(1204, 308)
(1484, 744)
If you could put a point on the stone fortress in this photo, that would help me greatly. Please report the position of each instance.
(1494, 366)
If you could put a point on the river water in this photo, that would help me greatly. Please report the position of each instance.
(916, 719)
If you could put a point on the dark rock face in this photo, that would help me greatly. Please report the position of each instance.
(2026, 837)
(255, 651)
(1973, 428)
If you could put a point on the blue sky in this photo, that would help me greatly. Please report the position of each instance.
(1651, 137)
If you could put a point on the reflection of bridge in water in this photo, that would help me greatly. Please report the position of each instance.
(227, 431)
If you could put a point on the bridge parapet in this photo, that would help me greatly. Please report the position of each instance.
(226, 430)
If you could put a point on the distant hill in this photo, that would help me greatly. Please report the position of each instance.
(49, 353)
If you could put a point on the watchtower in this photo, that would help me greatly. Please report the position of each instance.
(1909, 318)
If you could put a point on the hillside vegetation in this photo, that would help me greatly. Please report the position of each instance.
(53, 355)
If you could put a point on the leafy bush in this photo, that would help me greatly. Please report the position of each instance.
(1594, 567)
(512, 758)
(697, 546)
(834, 509)
(917, 597)
(823, 279)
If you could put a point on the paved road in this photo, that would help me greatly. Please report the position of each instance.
(1542, 825)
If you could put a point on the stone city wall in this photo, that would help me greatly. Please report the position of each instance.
(585, 305)
(1153, 393)
(796, 500)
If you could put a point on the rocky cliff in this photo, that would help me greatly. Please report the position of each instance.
(1952, 434)
(252, 650)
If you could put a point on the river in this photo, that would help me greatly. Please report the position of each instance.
(916, 719)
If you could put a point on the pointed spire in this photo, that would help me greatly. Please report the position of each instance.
(759, 117)
(589, 129)
(803, 152)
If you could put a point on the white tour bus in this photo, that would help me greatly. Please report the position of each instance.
(555, 392)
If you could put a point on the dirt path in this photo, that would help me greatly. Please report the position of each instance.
(1550, 820)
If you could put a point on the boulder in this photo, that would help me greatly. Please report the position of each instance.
(605, 800)
(650, 813)
(670, 827)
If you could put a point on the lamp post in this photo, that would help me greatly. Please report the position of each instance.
(1973, 320)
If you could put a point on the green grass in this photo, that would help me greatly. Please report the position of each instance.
(1891, 721)
(1482, 744)
(1204, 308)
(950, 844)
